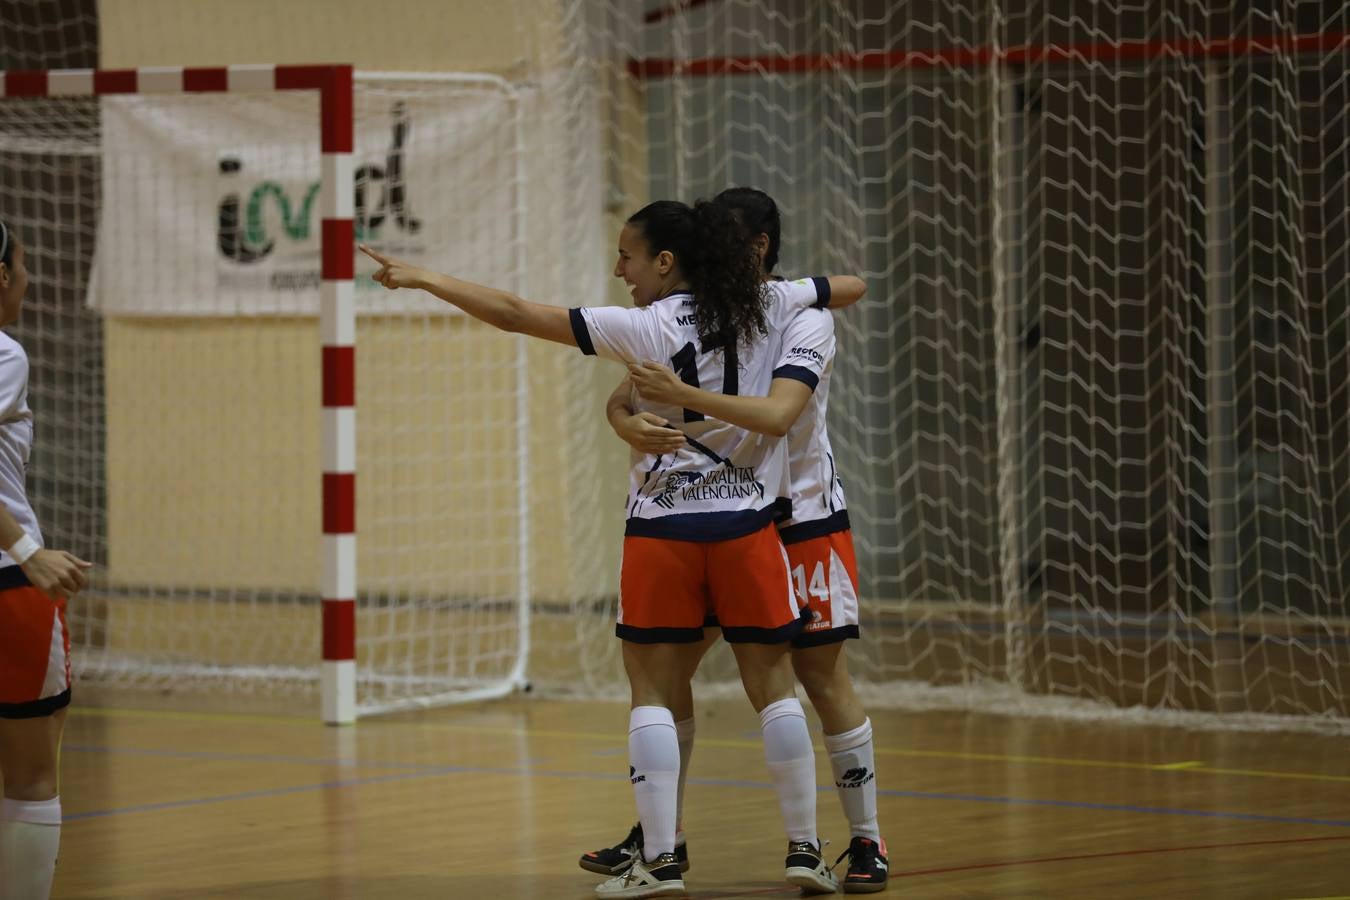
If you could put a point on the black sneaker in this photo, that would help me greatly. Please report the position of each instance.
(807, 870)
(658, 878)
(867, 866)
(613, 860)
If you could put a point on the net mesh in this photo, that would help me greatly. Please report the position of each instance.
(1092, 415)
(172, 333)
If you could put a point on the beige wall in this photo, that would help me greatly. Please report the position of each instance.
(399, 35)
(212, 425)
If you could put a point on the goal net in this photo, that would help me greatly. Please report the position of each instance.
(172, 325)
(1093, 415)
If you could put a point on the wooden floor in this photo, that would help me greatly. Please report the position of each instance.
(497, 801)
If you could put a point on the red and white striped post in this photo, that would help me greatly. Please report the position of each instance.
(337, 313)
(337, 324)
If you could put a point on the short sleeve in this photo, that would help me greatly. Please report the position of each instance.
(790, 297)
(13, 377)
(616, 332)
(808, 347)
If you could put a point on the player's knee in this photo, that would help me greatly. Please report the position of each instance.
(818, 671)
(768, 684)
(823, 689)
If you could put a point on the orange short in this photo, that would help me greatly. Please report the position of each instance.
(34, 654)
(668, 587)
(825, 581)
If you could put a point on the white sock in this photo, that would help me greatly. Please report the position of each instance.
(684, 730)
(654, 769)
(30, 833)
(792, 763)
(855, 773)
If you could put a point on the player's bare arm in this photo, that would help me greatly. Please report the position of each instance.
(643, 431)
(845, 290)
(772, 415)
(54, 572)
(500, 309)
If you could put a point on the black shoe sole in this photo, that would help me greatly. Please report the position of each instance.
(600, 868)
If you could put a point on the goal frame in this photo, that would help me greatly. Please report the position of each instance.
(337, 311)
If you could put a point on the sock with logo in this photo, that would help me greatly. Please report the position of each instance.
(855, 777)
(654, 770)
(684, 729)
(792, 763)
(30, 833)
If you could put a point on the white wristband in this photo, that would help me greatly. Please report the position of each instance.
(23, 549)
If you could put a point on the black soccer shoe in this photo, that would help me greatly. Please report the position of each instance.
(613, 860)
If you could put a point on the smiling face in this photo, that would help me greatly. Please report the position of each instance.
(649, 277)
(13, 284)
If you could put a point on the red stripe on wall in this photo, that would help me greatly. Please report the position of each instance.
(206, 80)
(980, 56)
(339, 629)
(339, 503)
(339, 250)
(339, 376)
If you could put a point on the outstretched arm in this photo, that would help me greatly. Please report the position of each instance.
(772, 415)
(845, 290)
(645, 432)
(500, 309)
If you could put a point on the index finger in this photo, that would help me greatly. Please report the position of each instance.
(378, 257)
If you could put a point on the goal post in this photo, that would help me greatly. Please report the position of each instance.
(221, 595)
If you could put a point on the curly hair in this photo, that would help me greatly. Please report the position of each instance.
(716, 255)
(759, 213)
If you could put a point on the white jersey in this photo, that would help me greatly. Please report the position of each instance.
(16, 438)
(817, 494)
(727, 481)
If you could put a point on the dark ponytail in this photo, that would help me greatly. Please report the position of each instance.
(759, 214)
(6, 245)
(715, 254)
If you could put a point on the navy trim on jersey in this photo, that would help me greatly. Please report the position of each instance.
(12, 577)
(636, 635)
(704, 527)
(805, 531)
(746, 634)
(827, 636)
(580, 331)
(36, 709)
(798, 373)
(822, 292)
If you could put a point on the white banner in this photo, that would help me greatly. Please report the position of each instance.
(211, 202)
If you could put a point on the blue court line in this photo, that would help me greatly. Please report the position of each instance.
(415, 770)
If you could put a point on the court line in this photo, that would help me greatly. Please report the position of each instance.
(1114, 853)
(416, 770)
(1197, 767)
